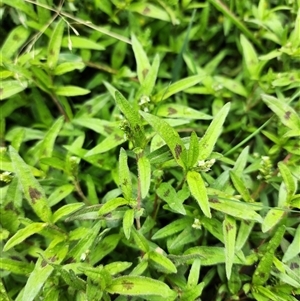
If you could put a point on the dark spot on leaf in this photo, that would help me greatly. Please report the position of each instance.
(16, 258)
(34, 194)
(108, 129)
(214, 201)
(125, 182)
(16, 37)
(171, 111)
(52, 52)
(145, 72)
(292, 78)
(9, 206)
(246, 222)
(167, 193)
(228, 227)
(117, 137)
(1, 91)
(262, 274)
(100, 162)
(147, 10)
(53, 258)
(44, 263)
(287, 115)
(70, 260)
(127, 284)
(89, 109)
(294, 265)
(178, 151)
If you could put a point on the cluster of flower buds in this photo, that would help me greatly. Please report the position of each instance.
(205, 165)
(144, 103)
(6, 177)
(266, 168)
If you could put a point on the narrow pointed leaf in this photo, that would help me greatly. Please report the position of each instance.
(287, 179)
(170, 136)
(193, 151)
(243, 234)
(124, 175)
(240, 186)
(162, 262)
(144, 171)
(71, 91)
(178, 86)
(133, 118)
(198, 191)
(272, 218)
(142, 62)
(138, 285)
(293, 249)
(11, 87)
(32, 189)
(208, 141)
(128, 220)
(112, 204)
(229, 231)
(287, 115)
(55, 44)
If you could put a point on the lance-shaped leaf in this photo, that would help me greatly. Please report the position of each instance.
(177, 87)
(288, 179)
(243, 234)
(22, 234)
(138, 286)
(161, 262)
(240, 186)
(70, 91)
(136, 125)
(128, 220)
(55, 44)
(11, 87)
(141, 59)
(263, 270)
(42, 271)
(293, 249)
(287, 115)
(124, 175)
(229, 231)
(32, 189)
(112, 205)
(149, 82)
(170, 136)
(144, 171)
(16, 38)
(272, 218)
(211, 135)
(193, 151)
(16, 267)
(198, 191)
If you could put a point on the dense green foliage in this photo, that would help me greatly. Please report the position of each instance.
(150, 150)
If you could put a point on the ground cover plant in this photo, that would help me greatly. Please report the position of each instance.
(150, 150)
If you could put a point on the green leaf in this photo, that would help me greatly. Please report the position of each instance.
(22, 234)
(112, 205)
(68, 67)
(229, 231)
(138, 286)
(128, 220)
(142, 62)
(211, 135)
(70, 91)
(162, 262)
(167, 193)
(59, 194)
(170, 136)
(287, 115)
(174, 110)
(194, 274)
(11, 87)
(32, 189)
(178, 86)
(144, 172)
(288, 180)
(232, 85)
(173, 228)
(15, 266)
(273, 217)
(66, 210)
(227, 204)
(43, 270)
(140, 241)
(214, 226)
(25, 7)
(124, 175)
(149, 82)
(240, 186)
(243, 234)
(117, 267)
(293, 249)
(198, 191)
(193, 152)
(76, 42)
(263, 270)
(16, 38)
(55, 44)
(136, 125)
